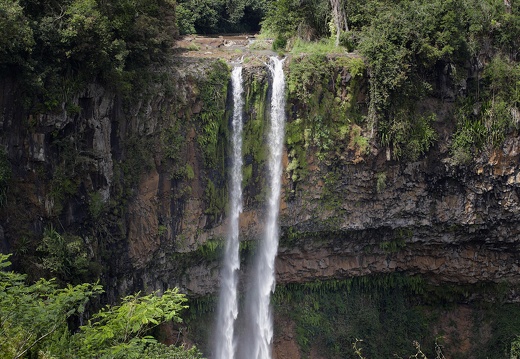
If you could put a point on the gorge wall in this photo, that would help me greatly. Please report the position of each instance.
(141, 178)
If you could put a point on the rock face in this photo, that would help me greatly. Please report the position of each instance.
(361, 215)
(154, 166)
(142, 179)
(450, 223)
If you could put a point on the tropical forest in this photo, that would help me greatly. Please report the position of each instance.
(269, 179)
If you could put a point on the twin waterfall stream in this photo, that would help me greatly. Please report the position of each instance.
(227, 311)
(256, 339)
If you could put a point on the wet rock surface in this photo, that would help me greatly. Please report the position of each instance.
(450, 223)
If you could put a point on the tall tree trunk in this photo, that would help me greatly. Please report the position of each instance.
(507, 4)
(339, 17)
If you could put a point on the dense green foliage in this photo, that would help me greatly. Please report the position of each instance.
(322, 91)
(495, 113)
(212, 119)
(30, 315)
(35, 318)
(391, 312)
(253, 146)
(16, 36)
(64, 256)
(333, 314)
(59, 45)
(219, 16)
(213, 135)
(385, 316)
(463, 51)
(307, 19)
(406, 47)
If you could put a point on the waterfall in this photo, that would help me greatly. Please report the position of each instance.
(263, 276)
(228, 302)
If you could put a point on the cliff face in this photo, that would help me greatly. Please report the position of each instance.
(142, 180)
(353, 212)
(449, 223)
(161, 189)
(120, 171)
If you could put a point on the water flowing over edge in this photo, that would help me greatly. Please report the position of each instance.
(227, 312)
(263, 276)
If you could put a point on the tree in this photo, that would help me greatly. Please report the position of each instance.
(515, 348)
(16, 36)
(34, 321)
(123, 328)
(507, 4)
(213, 16)
(307, 19)
(65, 256)
(339, 17)
(31, 314)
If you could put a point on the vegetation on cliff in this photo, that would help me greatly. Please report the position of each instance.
(384, 316)
(59, 46)
(462, 51)
(41, 320)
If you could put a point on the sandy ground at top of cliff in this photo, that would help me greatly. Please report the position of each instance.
(250, 49)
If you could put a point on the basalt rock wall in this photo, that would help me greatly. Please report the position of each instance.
(142, 179)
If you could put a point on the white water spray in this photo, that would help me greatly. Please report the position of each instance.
(228, 302)
(263, 277)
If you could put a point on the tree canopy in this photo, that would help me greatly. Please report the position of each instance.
(219, 16)
(56, 46)
(35, 318)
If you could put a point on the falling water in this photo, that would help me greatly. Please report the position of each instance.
(228, 304)
(263, 277)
